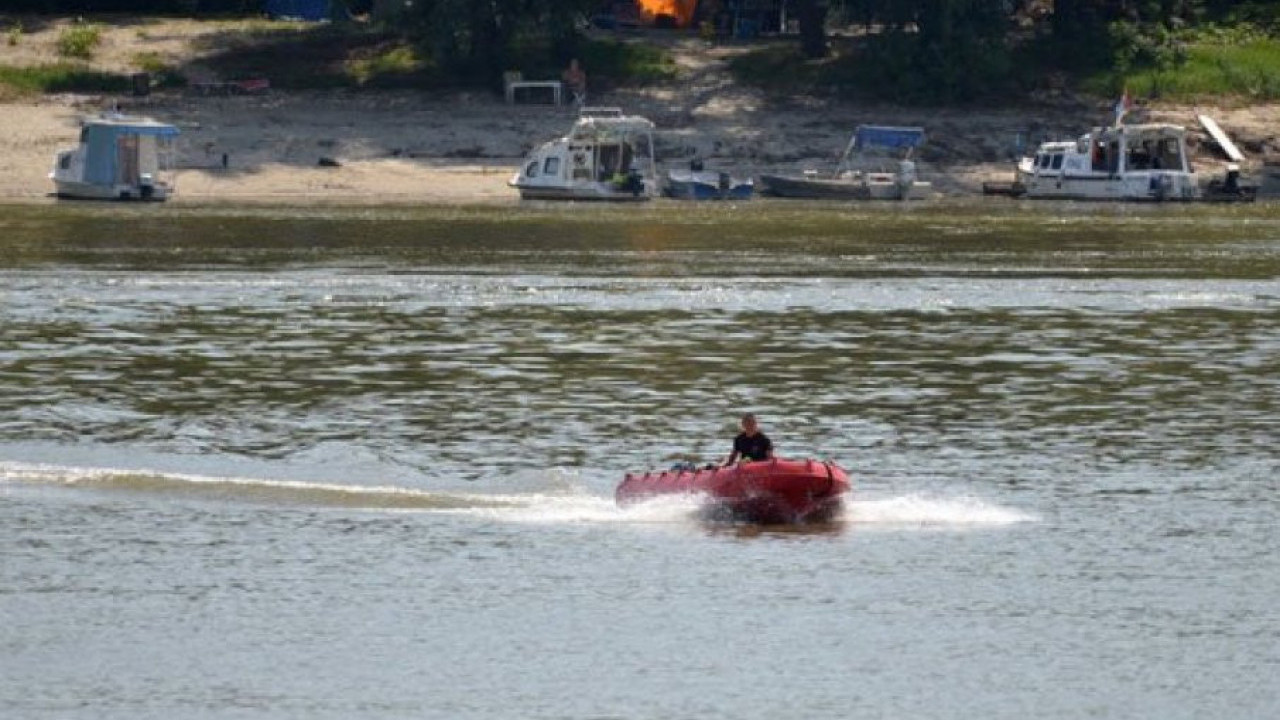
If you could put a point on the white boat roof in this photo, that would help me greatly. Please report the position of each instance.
(119, 120)
(1146, 129)
(608, 128)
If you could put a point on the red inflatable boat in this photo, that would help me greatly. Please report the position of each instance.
(770, 491)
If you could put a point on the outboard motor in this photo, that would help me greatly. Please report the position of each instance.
(906, 178)
(1161, 186)
(1232, 183)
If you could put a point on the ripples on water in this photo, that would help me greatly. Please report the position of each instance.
(419, 417)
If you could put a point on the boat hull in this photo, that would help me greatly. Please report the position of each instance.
(1146, 186)
(596, 192)
(769, 492)
(73, 190)
(707, 186)
(841, 189)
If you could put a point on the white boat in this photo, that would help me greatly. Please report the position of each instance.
(606, 156)
(1121, 162)
(118, 158)
(876, 165)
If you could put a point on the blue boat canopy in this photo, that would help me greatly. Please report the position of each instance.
(890, 137)
(308, 10)
(101, 140)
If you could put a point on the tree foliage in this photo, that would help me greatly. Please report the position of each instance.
(479, 36)
(935, 50)
(953, 50)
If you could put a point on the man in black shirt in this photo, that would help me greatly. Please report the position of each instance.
(751, 444)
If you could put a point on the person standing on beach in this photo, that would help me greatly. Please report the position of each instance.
(750, 444)
(575, 78)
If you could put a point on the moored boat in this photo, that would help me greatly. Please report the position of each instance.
(769, 491)
(876, 165)
(707, 185)
(118, 158)
(1122, 162)
(606, 156)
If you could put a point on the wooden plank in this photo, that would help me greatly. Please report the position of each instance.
(1224, 142)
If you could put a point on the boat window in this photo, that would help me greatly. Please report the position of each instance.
(551, 166)
(1057, 161)
(64, 161)
(532, 169)
(1168, 156)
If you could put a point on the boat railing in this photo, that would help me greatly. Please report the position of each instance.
(600, 112)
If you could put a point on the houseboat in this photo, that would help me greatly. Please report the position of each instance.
(118, 158)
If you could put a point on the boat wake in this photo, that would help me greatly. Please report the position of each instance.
(561, 503)
(251, 490)
(556, 500)
(923, 510)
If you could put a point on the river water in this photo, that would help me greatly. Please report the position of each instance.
(342, 463)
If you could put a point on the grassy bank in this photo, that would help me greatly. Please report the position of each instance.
(58, 77)
(1211, 68)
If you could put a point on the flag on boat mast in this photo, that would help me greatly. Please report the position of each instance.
(1122, 106)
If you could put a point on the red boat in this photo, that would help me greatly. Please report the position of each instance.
(769, 491)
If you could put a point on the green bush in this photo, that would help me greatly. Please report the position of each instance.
(386, 66)
(79, 40)
(162, 73)
(150, 62)
(14, 34)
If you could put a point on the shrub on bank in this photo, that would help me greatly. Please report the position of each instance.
(79, 40)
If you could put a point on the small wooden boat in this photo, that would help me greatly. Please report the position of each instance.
(770, 491)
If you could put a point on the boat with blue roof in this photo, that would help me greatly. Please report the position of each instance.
(876, 164)
(119, 158)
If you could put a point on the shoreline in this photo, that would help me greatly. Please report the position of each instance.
(460, 147)
(404, 148)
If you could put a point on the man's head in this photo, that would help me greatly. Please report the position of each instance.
(749, 424)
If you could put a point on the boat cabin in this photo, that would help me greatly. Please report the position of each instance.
(118, 158)
(1123, 162)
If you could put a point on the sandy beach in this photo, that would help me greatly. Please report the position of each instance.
(422, 147)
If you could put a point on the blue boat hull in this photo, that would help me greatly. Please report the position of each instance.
(707, 186)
